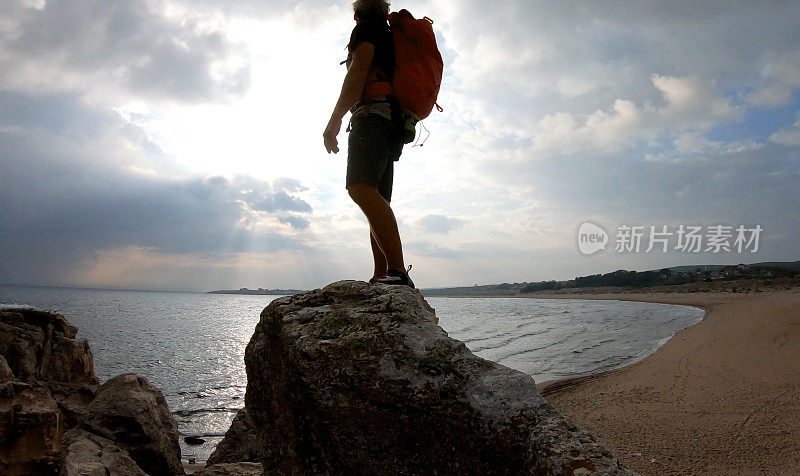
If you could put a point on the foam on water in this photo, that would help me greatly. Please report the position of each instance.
(552, 339)
(13, 306)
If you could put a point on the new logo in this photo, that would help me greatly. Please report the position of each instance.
(591, 238)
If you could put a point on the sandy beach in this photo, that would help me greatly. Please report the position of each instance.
(721, 397)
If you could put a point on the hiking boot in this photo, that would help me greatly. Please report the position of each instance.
(397, 277)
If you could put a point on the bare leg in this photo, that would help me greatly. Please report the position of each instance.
(378, 256)
(381, 221)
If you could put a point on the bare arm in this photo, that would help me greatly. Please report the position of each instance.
(352, 88)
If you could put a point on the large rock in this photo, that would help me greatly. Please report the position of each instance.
(359, 379)
(132, 413)
(41, 346)
(46, 382)
(240, 443)
(87, 454)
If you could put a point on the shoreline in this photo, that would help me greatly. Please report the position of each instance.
(622, 294)
(718, 397)
(552, 386)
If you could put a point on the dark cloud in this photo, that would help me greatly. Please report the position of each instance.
(65, 198)
(280, 200)
(295, 221)
(123, 43)
(55, 113)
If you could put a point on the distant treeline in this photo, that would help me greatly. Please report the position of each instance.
(670, 276)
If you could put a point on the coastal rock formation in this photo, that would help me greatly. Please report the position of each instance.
(46, 381)
(240, 443)
(38, 346)
(133, 414)
(86, 453)
(359, 379)
(53, 416)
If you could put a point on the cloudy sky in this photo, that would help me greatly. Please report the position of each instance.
(176, 144)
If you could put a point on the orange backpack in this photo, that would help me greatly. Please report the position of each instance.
(418, 64)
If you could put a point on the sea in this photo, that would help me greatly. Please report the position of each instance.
(191, 345)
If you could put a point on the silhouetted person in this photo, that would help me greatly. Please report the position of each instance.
(376, 139)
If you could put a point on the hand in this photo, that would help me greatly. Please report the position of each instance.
(329, 136)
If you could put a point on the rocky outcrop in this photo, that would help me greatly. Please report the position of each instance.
(46, 382)
(85, 453)
(240, 443)
(359, 379)
(54, 418)
(40, 346)
(133, 414)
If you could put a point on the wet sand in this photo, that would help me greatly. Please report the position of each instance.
(721, 397)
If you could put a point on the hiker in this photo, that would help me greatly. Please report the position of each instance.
(376, 135)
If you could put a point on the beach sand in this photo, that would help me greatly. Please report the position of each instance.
(721, 397)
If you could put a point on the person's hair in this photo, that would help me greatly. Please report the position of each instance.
(367, 9)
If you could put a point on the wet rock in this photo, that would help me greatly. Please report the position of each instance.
(132, 413)
(87, 454)
(240, 443)
(232, 469)
(359, 379)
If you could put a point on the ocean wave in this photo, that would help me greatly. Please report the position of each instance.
(503, 343)
(209, 389)
(612, 361)
(202, 435)
(203, 411)
(591, 344)
(14, 306)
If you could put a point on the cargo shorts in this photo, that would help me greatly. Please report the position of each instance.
(374, 145)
